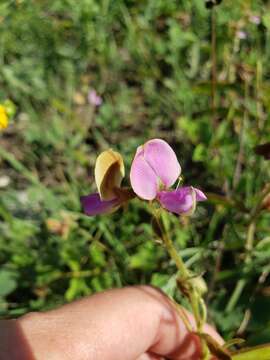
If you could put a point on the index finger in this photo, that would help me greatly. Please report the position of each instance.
(124, 324)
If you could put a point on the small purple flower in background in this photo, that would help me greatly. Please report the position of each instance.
(94, 99)
(242, 35)
(255, 19)
(154, 170)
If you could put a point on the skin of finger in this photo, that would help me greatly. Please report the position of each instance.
(187, 346)
(150, 357)
(116, 324)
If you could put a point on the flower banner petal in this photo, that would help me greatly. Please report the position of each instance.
(162, 159)
(109, 172)
(142, 177)
(93, 205)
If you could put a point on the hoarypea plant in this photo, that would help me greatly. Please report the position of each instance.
(154, 171)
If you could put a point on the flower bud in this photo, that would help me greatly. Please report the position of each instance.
(199, 284)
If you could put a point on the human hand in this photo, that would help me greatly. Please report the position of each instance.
(134, 323)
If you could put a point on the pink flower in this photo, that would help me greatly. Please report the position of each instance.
(181, 201)
(242, 35)
(94, 99)
(154, 170)
(109, 173)
(255, 19)
(93, 205)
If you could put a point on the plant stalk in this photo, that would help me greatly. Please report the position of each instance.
(190, 291)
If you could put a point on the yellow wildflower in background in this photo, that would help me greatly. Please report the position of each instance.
(3, 117)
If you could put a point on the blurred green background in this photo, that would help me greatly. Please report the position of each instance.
(153, 64)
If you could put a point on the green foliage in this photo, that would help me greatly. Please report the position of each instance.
(151, 63)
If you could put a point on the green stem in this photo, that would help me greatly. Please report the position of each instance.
(258, 207)
(185, 275)
(250, 240)
(74, 274)
(240, 285)
(214, 65)
(176, 258)
(239, 161)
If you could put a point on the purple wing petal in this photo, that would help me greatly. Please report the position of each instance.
(94, 99)
(92, 205)
(181, 201)
(200, 196)
(143, 179)
(162, 159)
(178, 201)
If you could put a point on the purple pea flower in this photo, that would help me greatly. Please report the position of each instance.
(242, 35)
(154, 170)
(255, 19)
(109, 172)
(94, 99)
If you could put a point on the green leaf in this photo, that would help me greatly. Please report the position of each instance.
(260, 337)
(7, 283)
(266, 20)
(256, 353)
